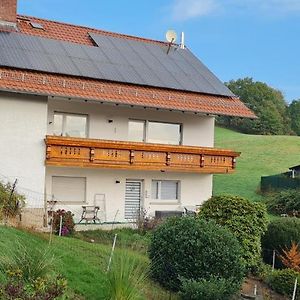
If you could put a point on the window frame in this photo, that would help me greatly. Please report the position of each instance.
(64, 122)
(146, 130)
(158, 191)
(73, 177)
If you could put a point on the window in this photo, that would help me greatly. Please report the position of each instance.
(164, 133)
(69, 189)
(154, 132)
(136, 131)
(70, 125)
(165, 189)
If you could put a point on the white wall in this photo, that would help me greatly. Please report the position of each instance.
(194, 189)
(197, 130)
(23, 126)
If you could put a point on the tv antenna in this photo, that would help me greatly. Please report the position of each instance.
(171, 37)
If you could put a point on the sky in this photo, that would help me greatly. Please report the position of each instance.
(233, 38)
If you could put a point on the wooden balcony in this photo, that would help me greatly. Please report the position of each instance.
(91, 153)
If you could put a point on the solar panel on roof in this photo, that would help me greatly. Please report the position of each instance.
(115, 59)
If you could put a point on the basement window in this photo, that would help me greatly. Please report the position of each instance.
(165, 189)
(69, 189)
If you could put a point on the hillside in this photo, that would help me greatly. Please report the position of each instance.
(260, 156)
(81, 262)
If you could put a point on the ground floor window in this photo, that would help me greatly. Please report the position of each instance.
(69, 189)
(165, 189)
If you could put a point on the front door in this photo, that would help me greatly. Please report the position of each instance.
(133, 196)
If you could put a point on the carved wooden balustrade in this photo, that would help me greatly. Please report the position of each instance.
(66, 151)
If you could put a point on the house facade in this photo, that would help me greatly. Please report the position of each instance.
(100, 119)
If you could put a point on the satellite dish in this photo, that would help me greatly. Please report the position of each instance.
(171, 36)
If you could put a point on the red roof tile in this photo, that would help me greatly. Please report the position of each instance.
(90, 89)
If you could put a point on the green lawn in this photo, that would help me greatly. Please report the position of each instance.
(260, 156)
(83, 263)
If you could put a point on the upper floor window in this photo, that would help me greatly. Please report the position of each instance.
(136, 130)
(73, 125)
(155, 132)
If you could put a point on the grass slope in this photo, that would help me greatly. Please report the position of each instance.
(260, 156)
(82, 263)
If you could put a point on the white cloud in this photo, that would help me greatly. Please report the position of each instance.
(183, 10)
(187, 9)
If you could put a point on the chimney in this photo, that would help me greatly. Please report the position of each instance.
(8, 14)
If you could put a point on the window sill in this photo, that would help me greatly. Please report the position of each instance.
(166, 202)
(71, 203)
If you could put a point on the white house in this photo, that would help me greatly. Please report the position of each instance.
(94, 118)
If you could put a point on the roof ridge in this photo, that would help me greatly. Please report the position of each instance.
(96, 30)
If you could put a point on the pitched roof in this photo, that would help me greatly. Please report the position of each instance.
(32, 70)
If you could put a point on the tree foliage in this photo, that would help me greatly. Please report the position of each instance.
(266, 102)
(294, 112)
(245, 219)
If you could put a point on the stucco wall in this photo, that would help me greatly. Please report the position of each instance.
(197, 130)
(194, 189)
(23, 126)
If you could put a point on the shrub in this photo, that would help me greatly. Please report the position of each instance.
(282, 281)
(291, 257)
(284, 202)
(208, 289)
(67, 222)
(49, 289)
(146, 223)
(245, 219)
(280, 234)
(10, 202)
(193, 249)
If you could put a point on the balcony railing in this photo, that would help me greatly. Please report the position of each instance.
(67, 151)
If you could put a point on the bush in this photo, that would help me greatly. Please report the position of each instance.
(282, 281)
(245, 219)
(280, 234)
(10, 203)
(49, 289)
(211, 289)
(193, 249)
(67, 222)
(284, 202)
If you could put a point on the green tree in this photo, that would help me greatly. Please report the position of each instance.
(267, 103)
(294, 112)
